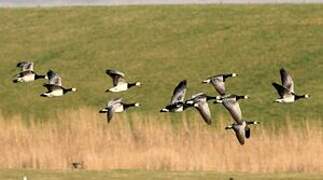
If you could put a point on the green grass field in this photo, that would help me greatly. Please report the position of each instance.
(147, 175)
(161, 45)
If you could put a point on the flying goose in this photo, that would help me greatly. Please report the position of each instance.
(218, 81)
(116, 105)
(286, 90)
(199, 101)
(230, 102)
(242, 130)
(119, 83)
(54, 78)
(27, 73)
(54, 86)
(177, 101)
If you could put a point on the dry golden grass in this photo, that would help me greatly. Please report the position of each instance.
(155, 143)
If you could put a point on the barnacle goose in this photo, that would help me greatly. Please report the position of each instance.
(286, 90)
(119, 82)
(54, 86)
(27, 73)
(177, 100)
(116, 105)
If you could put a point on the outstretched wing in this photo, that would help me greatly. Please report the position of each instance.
(26, 66)
(54, 78)
(247, 132)
(109, 115)
(240, 136)
(281, 90)
(204, 110)
(111, 103)
(179, 92)
(287, 80)
(218, 84)
(234, 109)
(116, 76)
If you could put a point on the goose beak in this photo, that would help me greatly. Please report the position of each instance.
(137, 104)
(234, 74)
(307, 96)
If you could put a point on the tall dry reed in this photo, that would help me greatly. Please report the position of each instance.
(155, 143)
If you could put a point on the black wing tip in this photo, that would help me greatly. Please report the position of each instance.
(282, 70)
(50, 71)
(183, 82)
(209, 123)
(110, 71)
(20, 63)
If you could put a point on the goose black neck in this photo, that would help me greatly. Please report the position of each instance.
(225, 76)
(131, 85)
(239, 97)
(250, 122)
(39, 76)
(125, 106)
(66, 90)
(210, 98)
(299, 97)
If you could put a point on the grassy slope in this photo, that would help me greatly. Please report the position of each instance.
(142, 175)
(161, 45)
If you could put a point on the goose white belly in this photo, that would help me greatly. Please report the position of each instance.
(179, 109)
(56, 92)
(287, 99)
(27, 78)
(119, 109)
(119, 87)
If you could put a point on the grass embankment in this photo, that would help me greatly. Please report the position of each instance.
(150, 143)
(161, 45)
(148, 175)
